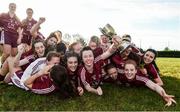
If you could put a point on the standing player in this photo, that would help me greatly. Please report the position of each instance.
(10, 24)
(27, 24)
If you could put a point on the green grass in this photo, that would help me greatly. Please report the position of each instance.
(114, 98)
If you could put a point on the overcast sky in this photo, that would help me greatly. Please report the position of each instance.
(151, 23)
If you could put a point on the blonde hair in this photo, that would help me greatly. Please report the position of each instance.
(96, 40)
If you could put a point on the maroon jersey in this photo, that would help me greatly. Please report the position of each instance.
(73, 77)
(108, 79)
(90, 78)
(119, 62)
(74, 80)
(30, 56)
(27, 25)
(135, 49)
(40, 36)
(9, 24)
(43, 85)
(151, 70)
(139, 80)
(98, 51)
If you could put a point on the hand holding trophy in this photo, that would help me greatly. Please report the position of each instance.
(109, 31)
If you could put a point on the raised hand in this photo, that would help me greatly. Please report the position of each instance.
(21, 48)
(42, 20)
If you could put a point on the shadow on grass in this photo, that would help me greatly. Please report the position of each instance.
(114, 98)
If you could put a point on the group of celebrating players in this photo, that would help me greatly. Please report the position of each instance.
(45, 65)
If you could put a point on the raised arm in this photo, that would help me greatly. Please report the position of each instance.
(20, 62)
(116, 42)
(35, 27)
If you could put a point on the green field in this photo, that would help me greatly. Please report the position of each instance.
(114, 98)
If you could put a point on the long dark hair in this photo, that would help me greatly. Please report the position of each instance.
(69, 54)
(60, 79)
(155, 55)
(52, 35)
(34, 41)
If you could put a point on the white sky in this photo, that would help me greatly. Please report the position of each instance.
(153, 23)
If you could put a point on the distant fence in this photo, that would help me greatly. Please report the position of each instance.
(175, 54)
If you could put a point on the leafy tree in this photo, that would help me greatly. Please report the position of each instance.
(166, 49)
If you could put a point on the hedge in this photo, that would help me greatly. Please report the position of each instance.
(175, 54)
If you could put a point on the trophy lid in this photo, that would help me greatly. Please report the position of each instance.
(108, 30)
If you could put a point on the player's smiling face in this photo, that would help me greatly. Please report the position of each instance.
(29, 13)
(72, 63)
(39, 49)
(12, 7)
(148, 57)
(92, 45)
(130, 71)
(113, 73)
(126, 52)
(88, 57)
(52, 41)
